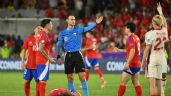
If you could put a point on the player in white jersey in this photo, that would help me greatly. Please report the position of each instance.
(155, 41)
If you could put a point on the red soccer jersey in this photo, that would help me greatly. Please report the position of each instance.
(133, 42)
(42, 37)
(30, 45)
(58, 92)
(91, 53)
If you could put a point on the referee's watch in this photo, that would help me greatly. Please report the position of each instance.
(58, 56)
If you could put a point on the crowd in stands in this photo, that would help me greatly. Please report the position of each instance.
(110, 33)
(10, 46)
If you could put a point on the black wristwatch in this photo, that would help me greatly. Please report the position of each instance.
(58, 56)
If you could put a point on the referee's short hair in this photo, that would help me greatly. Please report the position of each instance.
(44, 22)
(131, 26)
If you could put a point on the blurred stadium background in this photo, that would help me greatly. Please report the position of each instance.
(19, 17)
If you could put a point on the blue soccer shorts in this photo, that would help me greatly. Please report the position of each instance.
(132, 71)
(29, 74)
(91, 62)
(43, 72)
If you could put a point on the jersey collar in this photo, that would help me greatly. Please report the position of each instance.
(157, 28)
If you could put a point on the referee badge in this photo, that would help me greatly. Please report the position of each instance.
(65, 38)
(75, 34)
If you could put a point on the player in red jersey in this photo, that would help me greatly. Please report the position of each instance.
(132, 66)
(91, 57)
(42, 55)
(63, 92)
(30, 64)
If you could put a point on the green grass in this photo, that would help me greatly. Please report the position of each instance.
(11, 84)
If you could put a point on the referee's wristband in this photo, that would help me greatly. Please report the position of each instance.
(58, 56)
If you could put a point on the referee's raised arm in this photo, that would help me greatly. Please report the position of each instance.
(91, 26)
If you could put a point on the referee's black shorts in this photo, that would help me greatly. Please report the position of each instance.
(74, 62)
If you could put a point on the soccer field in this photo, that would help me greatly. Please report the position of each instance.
(11, 84)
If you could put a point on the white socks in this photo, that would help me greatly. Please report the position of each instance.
(163, 85)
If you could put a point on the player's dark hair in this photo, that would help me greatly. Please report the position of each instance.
(44, 22)
(92, 33)
(69, 16)
(131, 26)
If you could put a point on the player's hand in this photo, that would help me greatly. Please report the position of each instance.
(115, 49)
(23, 66)
(99, 19)
(52, 60)
(159, 9)
(126, 66)
(82, 50)
(59, 61)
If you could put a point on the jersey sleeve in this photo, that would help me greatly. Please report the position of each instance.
(148, 38)
(87, 28)
(43, 37)
(25, 45)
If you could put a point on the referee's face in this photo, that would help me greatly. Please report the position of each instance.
(71, 20)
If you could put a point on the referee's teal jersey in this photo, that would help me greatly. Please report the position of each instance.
(72, 39)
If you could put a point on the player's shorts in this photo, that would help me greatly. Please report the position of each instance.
(164, 68)
(43, 72)
(88, 62)
(74, 62)
(29, 74)
(132, 71)
(154, 68)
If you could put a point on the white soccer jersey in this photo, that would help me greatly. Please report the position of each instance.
(157, 39)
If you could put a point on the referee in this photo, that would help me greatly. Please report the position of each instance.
(72, 39)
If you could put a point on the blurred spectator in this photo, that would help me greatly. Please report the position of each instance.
(53, 3)
(79, 8)
(50, 13)
(19, 43)
(62, 12)
(37, 14)
(110, 47)
(5, 52)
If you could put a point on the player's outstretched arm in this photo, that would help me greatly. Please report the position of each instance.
(159, 9)
(85, 49)
(44, 53)
(115, 49)
(90, 27)
(146, 52)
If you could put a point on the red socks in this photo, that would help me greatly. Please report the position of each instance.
(121, 90)
(86, 74)
(37, 89)
(27, 88)
(42, 88)
(99, 72)
(138, 91)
